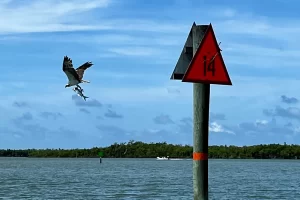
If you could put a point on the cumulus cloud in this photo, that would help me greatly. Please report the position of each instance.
(68, 133)
(172, 90)
(99, 117)
(112, 114)
(217, 116)
(35, 131)
(185, 126)
(23, 123)
(20, 104)
(163, 119)
(111, 129)
(27, 129)
(186, 120)
(24, 117)
(289, 113)
(51, 115)
(257, 126)
(89, 103)
(218, 128)
(266, 127)
(158, 135)
(289, 100)
(112, 133)
(212, 117)
(84, 111)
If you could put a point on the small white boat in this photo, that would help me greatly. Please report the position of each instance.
(162, 158)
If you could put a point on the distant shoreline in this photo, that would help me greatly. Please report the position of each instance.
(134, 149)
(155, 158)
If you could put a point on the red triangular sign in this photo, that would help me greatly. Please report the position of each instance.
(207, 65)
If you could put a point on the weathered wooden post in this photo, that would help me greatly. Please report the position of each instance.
(202, 64)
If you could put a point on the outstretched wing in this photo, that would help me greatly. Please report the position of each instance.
(80, 70)
(69, 69)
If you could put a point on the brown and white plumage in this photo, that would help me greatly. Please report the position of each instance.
(74, 76)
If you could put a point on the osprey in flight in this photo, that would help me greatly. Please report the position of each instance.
(74, 76)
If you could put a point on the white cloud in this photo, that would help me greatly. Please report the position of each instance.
(46, 16)
(134, 51)
(124, 39)
(134, 94)
(251, 86)
(223, 12)
(14, 84)
(261, 122)
(244, 26)
(149, 26)
(256, 26)
(72, 15)
(263, 57)
(143, 92)
(217, 128)
(229, 12)
(297, 130)
(269, 127)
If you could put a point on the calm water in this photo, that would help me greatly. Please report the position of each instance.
(29, 178)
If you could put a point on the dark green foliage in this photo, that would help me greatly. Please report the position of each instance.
(134, 149)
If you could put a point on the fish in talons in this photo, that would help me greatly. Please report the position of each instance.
(79, 92)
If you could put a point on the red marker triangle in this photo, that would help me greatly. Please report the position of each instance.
(207, 65)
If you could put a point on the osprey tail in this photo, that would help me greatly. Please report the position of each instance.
(84, 97)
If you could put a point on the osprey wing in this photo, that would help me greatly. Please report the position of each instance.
(69, 69)
(80, 70)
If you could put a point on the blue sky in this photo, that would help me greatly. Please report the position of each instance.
(134, 47)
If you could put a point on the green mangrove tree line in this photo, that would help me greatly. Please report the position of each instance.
(136, 149)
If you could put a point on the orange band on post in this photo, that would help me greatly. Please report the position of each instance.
(200, 156)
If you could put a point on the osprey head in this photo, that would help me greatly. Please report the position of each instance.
(68, 85)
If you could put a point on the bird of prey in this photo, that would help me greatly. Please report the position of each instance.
(75, 76)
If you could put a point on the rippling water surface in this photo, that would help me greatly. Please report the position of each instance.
(37, 178)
